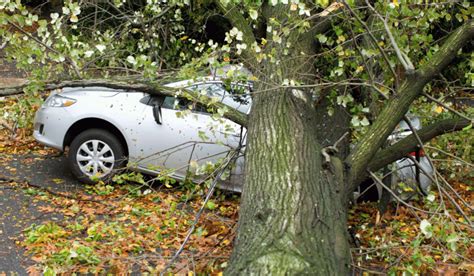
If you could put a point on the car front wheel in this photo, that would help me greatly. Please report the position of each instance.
(95, 154)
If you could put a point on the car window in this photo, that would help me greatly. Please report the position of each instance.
(235, 96)
(240, 97)
(151, 100)
(172, 103)
(182, 104)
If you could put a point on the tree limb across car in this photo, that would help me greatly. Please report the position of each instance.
(409, 144)
(147, 86)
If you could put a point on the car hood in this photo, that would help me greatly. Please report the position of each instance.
(93, 91)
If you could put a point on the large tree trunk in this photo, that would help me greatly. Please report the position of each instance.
(293, 212)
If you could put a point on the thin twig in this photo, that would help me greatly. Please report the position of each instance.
(447, 107)
(450, 155)
(455, 192)
(404, 60)
(387, 60)
(340, 139)
(7, 179)
(199, 213)
(442, 191)
(6, 126)
(397, 197)
(327, 151)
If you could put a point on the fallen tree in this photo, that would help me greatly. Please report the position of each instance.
(150, 87)
(298, 184)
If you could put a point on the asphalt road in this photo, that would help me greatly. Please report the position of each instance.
(18, 209)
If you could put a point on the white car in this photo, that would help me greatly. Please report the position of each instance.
(106, 128)
(405, 170)
(405, 178)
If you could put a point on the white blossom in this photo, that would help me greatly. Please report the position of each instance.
(241, 47)
(88, 54)
(54, 17)
(100, 47)
(131, 60)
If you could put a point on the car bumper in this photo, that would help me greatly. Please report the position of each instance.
(406, 173)
(50, 126)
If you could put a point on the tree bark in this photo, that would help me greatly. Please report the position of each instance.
(293, 213)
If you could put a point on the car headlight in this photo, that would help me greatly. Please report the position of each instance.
(59, 101)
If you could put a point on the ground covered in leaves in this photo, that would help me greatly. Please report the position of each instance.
(138, 228)
(124, 230)
(123, 227)
(432, 240)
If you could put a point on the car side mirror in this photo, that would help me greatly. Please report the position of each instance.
(157, 114)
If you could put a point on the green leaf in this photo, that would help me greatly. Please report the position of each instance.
(211, 205)
(323, 3)
(467, 127)
(253, 14)
(322, 38)
(49, 271)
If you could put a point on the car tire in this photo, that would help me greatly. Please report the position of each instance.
(368, 192)
(95, 155)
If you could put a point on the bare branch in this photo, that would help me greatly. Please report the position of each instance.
(448, 51)
(230, 158)
(384, 55)
(374, 177)
(409, 144)
(451, 155)
(451, 199)
(446, 183)
(404, 59)
(323, 21)
(447, 107)
(232, 13)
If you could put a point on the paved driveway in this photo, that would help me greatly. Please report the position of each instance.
(18, 209)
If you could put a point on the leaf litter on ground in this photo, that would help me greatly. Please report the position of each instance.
(116, 231)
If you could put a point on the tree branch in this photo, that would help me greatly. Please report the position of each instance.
(448, 51)
(404, 59)
(69, 60)
(398, 106)
(446, 106)
(231, 12)
(374, 40)
(410, 143)
(151, 87)
(321, 22)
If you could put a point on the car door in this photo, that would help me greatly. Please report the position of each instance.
(186, 135)
(236, 96)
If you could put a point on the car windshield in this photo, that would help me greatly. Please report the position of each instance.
(236, 96)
